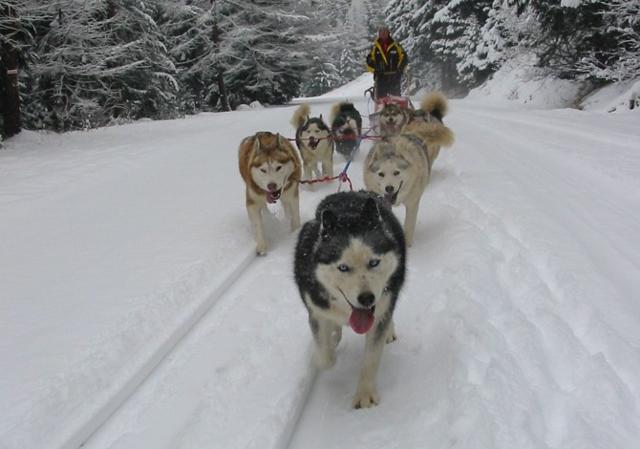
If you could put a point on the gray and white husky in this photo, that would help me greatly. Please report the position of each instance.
(399, 167)
(350, 267)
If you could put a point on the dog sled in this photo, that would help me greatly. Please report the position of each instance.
(374, 118)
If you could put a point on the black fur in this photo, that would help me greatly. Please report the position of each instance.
(340, 217)
(352, 143)
(427, 116)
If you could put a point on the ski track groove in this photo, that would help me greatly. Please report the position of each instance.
(148, 366)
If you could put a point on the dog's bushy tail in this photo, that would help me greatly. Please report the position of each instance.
(434, 133)
(335, 110)
(300, 115)
(435, 103)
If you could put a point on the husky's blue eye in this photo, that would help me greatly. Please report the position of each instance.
(263, 170)
(396, 173)
(278, 167)
(343, 268)
(374, 263)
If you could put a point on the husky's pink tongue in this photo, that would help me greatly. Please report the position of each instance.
(361, 320)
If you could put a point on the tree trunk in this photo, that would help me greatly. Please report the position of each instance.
(215, 38)
(224, 100)
(11, 101)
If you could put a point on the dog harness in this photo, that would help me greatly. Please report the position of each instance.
(419, 143)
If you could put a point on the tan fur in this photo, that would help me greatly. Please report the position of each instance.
(434, 134)
(391, 119)
(435, 101)
(300, 115)
(429, 129)
(261, 149)
(335, 109)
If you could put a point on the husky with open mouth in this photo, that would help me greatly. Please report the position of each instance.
(392, 119)
(270, 169)
(346, 126)
(315, 143)
(350, 267)
(398, 169)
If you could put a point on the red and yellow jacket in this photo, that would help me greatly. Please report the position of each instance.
(394, 60)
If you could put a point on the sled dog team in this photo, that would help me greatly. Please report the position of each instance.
(350, 259)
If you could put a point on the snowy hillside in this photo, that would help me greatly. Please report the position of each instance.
(135, 314)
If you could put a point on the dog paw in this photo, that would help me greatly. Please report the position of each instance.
(366, 398)
(391, 337)
(325, 360)
(261, 249)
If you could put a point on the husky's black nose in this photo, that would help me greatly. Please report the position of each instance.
(389, 189)
(272, 186)
(366, 299)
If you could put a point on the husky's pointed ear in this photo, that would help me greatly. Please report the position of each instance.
(371, 214)
(256, 144)
(328, 222)
(281, 141)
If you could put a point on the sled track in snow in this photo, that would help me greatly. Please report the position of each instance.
(210, 298)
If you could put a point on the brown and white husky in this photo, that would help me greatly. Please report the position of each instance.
(270, 169)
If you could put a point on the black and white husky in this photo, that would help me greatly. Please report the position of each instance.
(350, 267)
(346, 125)
(314, 141)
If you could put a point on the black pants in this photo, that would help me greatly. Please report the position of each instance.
(388, 84)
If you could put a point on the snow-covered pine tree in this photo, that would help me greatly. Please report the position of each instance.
(508, 29)
(351, 64)
(190, 28)
(263, 51)
(139, 67)
(375, 14)
(619, 60)
(98, 61)
(412, 22)
(455, 32)
(569, 31)
(356, 41)
(323, 76)
(18, 19)
(65, 78)
(320, 41)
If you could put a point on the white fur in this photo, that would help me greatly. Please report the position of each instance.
(344, 288)
(399, 163)
(322, 154)
(272, 172)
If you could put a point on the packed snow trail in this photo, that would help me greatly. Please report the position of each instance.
(519, 325)
(507, 333)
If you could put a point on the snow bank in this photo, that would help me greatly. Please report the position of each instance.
(521, 82)
(615, 97)
(248, 107)
(352, 91)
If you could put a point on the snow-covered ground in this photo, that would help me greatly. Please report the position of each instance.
(134, 314)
